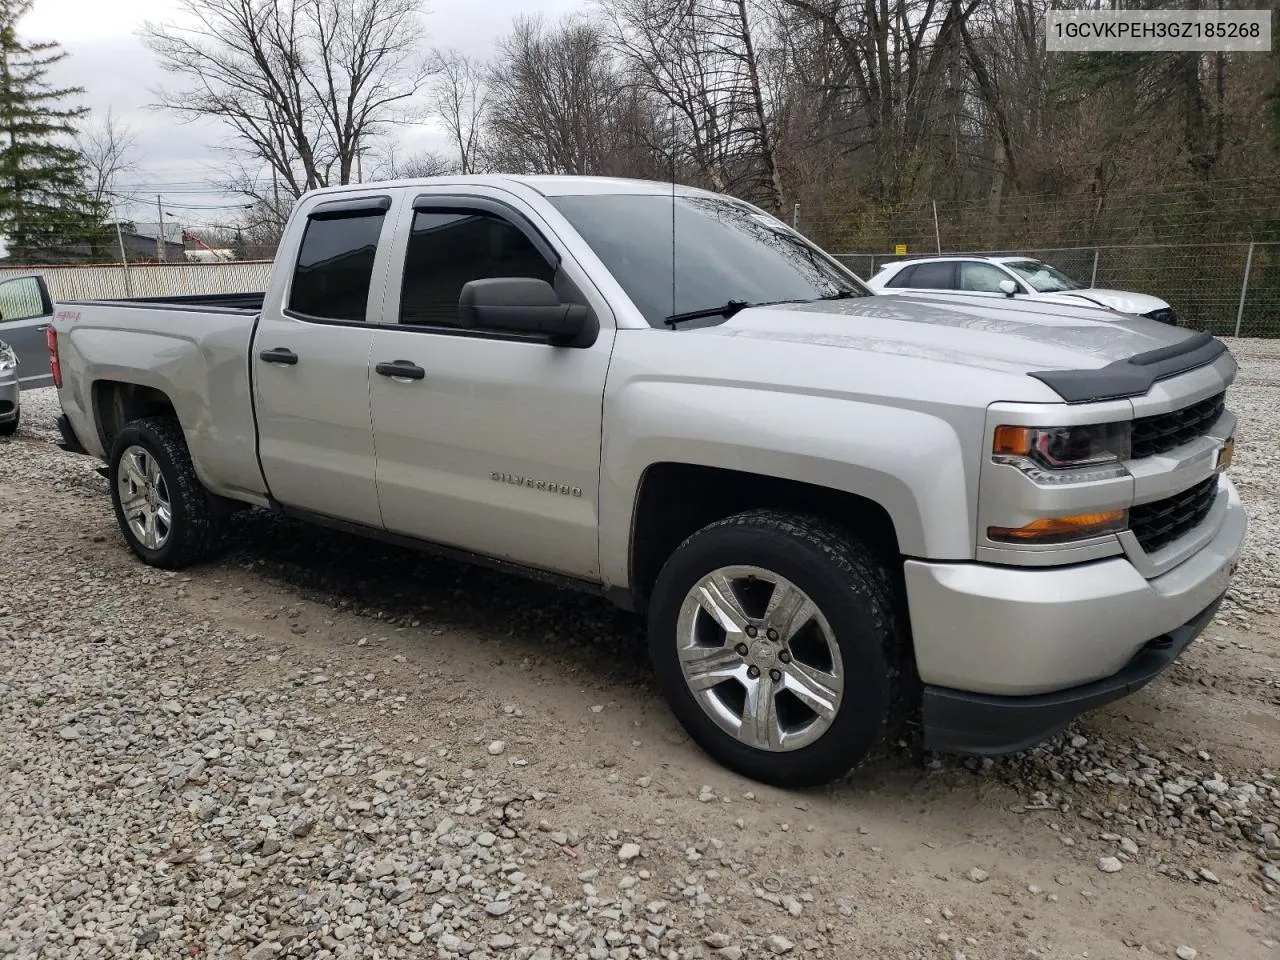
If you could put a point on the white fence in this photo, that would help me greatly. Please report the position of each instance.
(114, 281)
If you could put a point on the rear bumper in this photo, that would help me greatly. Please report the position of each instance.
(974, 723)
(68, 440)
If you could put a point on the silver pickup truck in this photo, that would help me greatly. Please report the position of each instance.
(837, 511)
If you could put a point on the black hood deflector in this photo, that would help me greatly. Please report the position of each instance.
(1136, 375)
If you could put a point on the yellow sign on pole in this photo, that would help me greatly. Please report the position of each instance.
(899, 249)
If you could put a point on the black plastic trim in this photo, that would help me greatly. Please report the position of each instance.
(400, 368)
(69, 442)
(560, 580)
(359, 207)
(449, 202)
(984, 725)
(1135, 376)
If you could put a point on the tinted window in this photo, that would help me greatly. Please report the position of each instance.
(21, 299)
(902, 278)
(722, 250)
(982, 277)
(450, 248)
(934, 276)
(335, 266)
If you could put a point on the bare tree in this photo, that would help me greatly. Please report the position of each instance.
(558, 104)
(700, 59)
(459, 98)
(885, 67)
(307, 86)
(107, 149)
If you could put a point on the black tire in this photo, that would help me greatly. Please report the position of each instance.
(196, 529)
(10, 428)
(852, 587)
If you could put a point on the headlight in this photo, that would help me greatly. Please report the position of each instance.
(1065, 454)
(8, 359)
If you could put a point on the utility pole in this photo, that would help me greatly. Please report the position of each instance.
(124, 259)
(275, 192)
(159, 230)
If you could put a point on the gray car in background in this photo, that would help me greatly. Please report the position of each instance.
(10, 392)
(25, 312)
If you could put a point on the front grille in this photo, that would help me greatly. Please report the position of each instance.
(1166, 431)
(1163, 521)
(1164, 315)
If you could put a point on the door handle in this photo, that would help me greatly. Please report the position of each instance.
(279, 355)
(401, 370)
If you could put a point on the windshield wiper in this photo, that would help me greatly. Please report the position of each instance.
(724, 310)
(839, 295)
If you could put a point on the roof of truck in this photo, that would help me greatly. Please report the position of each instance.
(546, 184)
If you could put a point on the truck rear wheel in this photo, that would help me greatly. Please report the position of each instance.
(166, 515)
(775, 640)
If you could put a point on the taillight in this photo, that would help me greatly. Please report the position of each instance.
(51, 336)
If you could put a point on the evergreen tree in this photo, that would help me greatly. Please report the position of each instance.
(45, 207)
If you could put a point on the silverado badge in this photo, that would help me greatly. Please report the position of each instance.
(521, 481)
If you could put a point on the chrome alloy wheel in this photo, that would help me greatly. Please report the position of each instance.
(144, 497)
(760, 658)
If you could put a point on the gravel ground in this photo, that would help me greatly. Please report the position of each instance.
(323, 747)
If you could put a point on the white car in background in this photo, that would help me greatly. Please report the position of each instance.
(1010, 277)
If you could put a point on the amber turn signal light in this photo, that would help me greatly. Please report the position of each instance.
(1012, 441)
(1061, 529)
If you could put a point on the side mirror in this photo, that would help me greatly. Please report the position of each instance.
(1008, 287)
(520, 305)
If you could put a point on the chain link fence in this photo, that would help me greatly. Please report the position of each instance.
(1228, 289)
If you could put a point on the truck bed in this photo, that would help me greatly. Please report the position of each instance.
(188, 352)
(247, 303)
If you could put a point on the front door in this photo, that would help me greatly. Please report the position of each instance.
(488, 443)
(311, 366)
(25, 311)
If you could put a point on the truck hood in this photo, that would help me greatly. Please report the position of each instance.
(1013, 335)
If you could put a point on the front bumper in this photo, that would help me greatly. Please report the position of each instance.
(991, 635)
(975, 723)
(10, 398)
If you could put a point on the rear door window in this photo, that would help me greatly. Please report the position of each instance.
(934, 276)
(902, 278)
(335, 266)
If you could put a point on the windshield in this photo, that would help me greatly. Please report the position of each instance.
(1042, 277)
(724, 250)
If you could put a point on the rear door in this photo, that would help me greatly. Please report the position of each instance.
(25, 311)
(486, 442)
(310, 360)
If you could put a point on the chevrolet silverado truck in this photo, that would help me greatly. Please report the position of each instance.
(837, 512)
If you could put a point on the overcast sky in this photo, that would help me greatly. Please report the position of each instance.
(179, 160)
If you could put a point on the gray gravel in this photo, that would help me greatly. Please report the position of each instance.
(173, 787)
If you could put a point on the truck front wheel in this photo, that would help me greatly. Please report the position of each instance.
(775, 640)
(166, 515)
